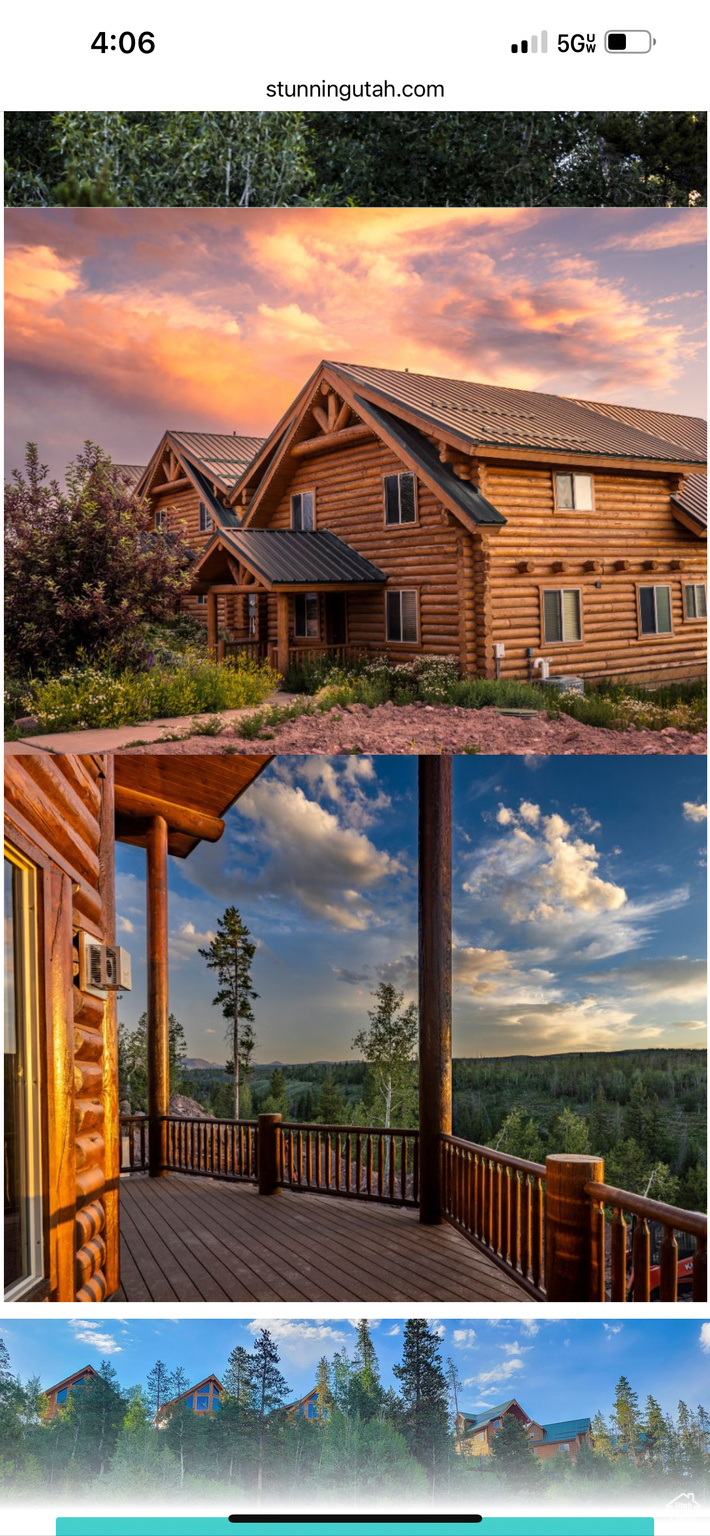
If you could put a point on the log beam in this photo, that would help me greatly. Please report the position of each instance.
(434, 977)
(212, 622)
(180, 818)
(282, 627)
(331, 440)
(157, 1011)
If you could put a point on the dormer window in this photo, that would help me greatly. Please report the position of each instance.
(303, 511)
(400, 500)
(574, 493)
(206, 523)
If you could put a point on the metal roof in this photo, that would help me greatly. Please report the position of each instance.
(687, 431)
(693, 498)
(225, 455)
(468, 499)
(132, 474)
(566, 1429)
(285, 556)
(495, 1412)
(489, 415)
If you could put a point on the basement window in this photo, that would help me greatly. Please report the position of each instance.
(573, 493)
(305, 626)
(655, 611)
(695, 601)
(400, 499)
(562, 610)
(206, 523)
(402, 618)
(303, 511)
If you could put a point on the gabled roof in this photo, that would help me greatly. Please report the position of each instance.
(198, 1387)
(492, 416)
(688, 431)
(469, 501)
(86, 1370)
(692, 500)
(488, 1414)
(222, 455)
(172, 780)
(286, 557)
(131, 474)
(567, 1429)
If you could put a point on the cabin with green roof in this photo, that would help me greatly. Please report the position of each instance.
(475, 1432)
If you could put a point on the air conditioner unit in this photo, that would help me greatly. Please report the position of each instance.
(102, 967)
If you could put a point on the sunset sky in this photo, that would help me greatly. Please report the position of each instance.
(557, 1368)
(123, 322)
(574, 929)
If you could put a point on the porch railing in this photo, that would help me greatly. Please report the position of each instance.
(352, 1160)
(498, 1202)
(300, 655)
(632, 1274)
(559, 1233)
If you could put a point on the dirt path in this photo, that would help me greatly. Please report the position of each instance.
(442, 728)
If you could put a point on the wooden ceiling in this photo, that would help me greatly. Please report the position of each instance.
(207, 784)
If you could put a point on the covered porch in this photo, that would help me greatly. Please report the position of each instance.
(289, 593)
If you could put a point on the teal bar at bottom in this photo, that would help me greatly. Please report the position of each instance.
(489, 1525)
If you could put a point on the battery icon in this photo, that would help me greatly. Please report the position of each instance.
(629, 42)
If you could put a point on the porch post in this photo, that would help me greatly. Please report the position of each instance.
(212, 623)
(434, 977)
(282, 618)
(574, 1229)
(158, 1043)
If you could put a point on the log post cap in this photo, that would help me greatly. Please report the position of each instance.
(270, 1119)
(560, 1159)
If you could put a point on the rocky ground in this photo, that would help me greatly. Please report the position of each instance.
(442, 728)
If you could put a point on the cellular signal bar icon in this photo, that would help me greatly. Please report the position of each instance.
(530, 47)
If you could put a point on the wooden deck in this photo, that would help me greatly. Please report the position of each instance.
(194, 1239)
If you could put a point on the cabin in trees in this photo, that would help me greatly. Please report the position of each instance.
(475, 1432)
(59, 1394)
(62, 1134)
(204, 1398)
(398, 514)
(307, 1407)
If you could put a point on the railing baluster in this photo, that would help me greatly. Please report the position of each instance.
(415, 1172)
(495, 1207)
(642, 1260)
(369, 1163)
(538, 1241)
(669, 1265)
(348, 1163)
(358, 1162)
(526, 1234)
(618, 1254)
(338, 1160)
(505, 1214)
(403, 1172)
(380, 1164)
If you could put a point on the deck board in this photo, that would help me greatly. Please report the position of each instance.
(198, 1239)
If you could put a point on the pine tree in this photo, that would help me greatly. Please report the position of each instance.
(512, 1453)
(654, 1428)
(389, 1047)
(270, 1393)
(325, 1397)
(157, 1389)
(365, 1391)
(332, 1109)
(239, 1375)
(423, 1396)
(230, 954)
(625, 1417)
(103, 1413)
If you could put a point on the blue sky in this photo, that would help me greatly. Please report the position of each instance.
(579, 904)
(557, 1369)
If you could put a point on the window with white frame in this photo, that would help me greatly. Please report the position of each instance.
(562, 613)
(201, 599)
(303, 511)
(655, 610)
(573, 493)
(206, 524)
(305, 625)
(161, 520)
(23, 1236)
(400, 499)
(695, 600)
(402, 616)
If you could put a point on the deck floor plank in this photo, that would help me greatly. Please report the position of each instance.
(198, 1239)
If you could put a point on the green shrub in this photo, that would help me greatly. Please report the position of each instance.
(89, 696)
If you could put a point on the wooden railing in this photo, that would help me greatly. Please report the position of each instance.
(351, 1160)
(252, 650)
(605, 1202)
(498, 1202)
(218, 1149)
(134, 1143)
(300, 655)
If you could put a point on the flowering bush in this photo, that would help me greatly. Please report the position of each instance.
(89, 696)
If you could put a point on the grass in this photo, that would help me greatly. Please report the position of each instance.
(90, 696)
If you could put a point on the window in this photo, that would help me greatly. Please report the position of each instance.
(655, 610)
(496, 1423)
(564, 1446)
(190, 1401)
(303, 511)
(402, 621)
(695, 601)
(573, 493)
(252, 613)
(215, 1400)
(312, 1409)
(534, 1450)
(206, 524)
(23, 1239)
(63, 1395)
(161, 520)
(562, 615)
(305, 623)
(400, 499)
(201, 599)
(202, 1402)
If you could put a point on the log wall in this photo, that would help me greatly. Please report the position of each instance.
(632, 521)
(182, 510)
(59, 814)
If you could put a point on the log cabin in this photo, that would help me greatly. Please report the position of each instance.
(57, 1395)
(516, 532)
(307, 1407)
(475, 1433)
(203, 1398)
(99, 1205)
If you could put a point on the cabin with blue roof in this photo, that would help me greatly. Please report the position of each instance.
(475, 1432)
